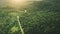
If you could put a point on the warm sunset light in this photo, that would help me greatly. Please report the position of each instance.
(19, 3)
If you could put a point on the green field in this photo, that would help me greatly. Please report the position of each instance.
(40, 17)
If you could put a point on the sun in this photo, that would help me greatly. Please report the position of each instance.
(18, 3)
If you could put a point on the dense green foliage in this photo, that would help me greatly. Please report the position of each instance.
(42, 17)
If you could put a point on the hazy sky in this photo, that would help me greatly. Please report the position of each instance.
(5, 2)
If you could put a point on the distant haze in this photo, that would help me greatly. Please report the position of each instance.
(4, 3)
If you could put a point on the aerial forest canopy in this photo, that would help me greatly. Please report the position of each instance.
(36, 17)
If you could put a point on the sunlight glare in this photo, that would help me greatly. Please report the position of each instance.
(18, 3)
